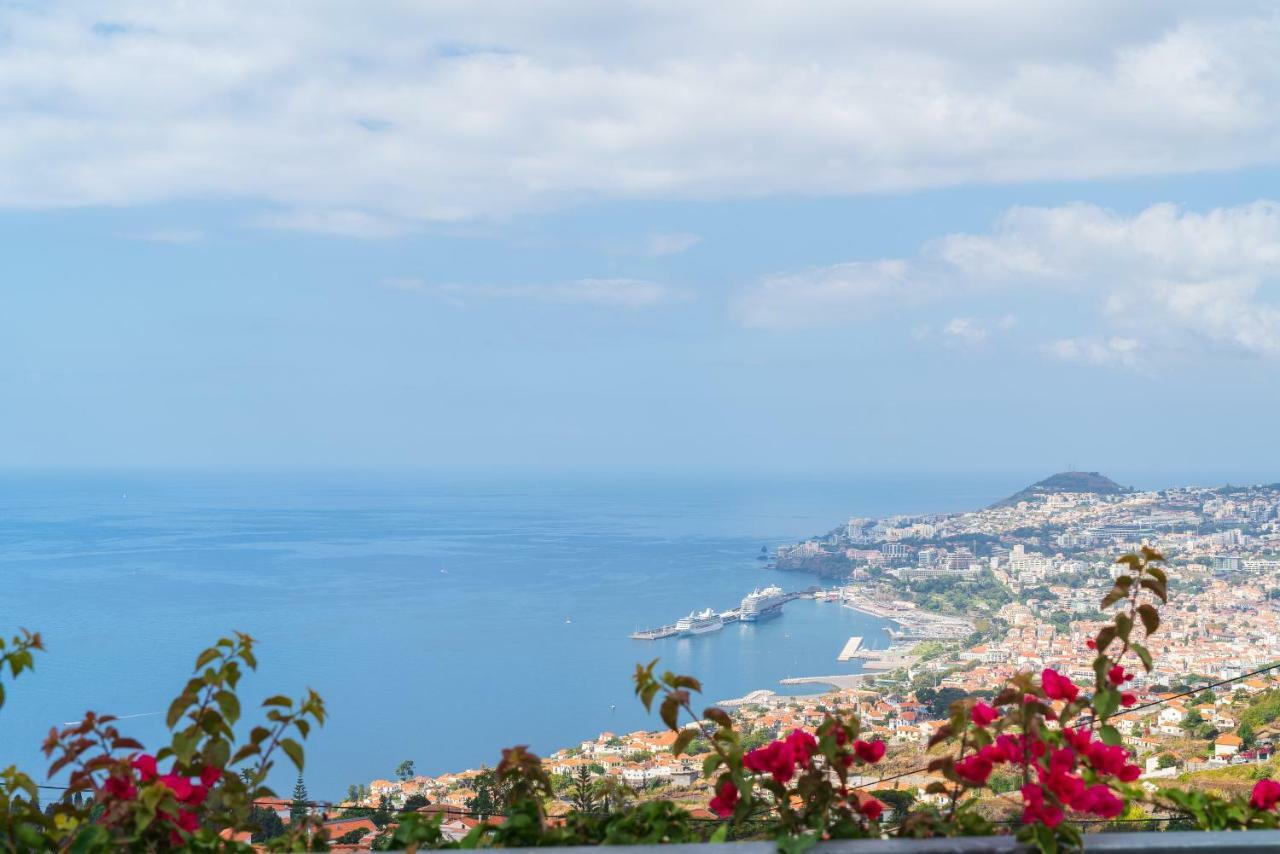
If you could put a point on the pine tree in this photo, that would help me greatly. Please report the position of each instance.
(299, 808)
(582, 791)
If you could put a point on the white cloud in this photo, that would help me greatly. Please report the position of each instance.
(1165, 280)
(671, 244)
(823, 295)
(1097, 351)
(341, 223)
(607, 293)
(367, 119)
(966, 330)
(175, 236)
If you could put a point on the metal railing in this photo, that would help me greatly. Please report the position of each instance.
(1169, 842)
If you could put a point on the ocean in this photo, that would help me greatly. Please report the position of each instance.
(440, 617)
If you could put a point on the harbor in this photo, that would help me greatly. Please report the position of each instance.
(759, 604)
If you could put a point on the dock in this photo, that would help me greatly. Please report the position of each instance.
(731, 615)
(656, 634)
(850, 649)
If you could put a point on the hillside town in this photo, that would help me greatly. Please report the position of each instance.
(1029, 573)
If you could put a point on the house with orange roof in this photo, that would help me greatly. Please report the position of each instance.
(340, 827)
(1227, 744)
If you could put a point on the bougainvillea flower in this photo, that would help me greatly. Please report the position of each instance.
(1058, 687)
(975, 769)
(210, 775)
(1100, 801)
(1128, 698)
(1117, 675)
(869, 751)
(726, 799)
(1036, 810)
(871, 808)
(180, 786)
(802, 744)
(1266, 794)
(145, 765)
(982, 714)
(120, 788)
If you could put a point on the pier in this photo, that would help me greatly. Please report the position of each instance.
(656, 634)
(730, 616)
(850, 649)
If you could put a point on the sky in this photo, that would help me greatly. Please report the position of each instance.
(726, 236)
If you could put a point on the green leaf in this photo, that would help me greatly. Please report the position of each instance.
(1150, 618)
(720, 716)
(1144, 654)
(669, 711)
(1124, 626)
(294, 751)
(1110, 735)
(688, 682)
(1105, 702)
(682, 741)
(721, 834)
(230, 705)
(209, 655)
(1112, 598)
(278, 700)
(177, 707)
(710, 764)
(1157, 587)
(1158, 574)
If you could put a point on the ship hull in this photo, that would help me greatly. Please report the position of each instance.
(766, 614)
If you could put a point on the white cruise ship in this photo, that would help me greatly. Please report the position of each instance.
(762, 604)
(699, 623)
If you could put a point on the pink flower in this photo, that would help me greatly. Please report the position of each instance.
(1100, 801)
(1128, 698)
(1066, 787)
(1091, 643)
(1058, 687)
(871, 808)
(780, 758)
(210, 775)
(1079, 739)
(145, 765)
(725, 800)
(180, 786)
(1266, 794)
(120, 788)
(1117, 675)
(982, 714)
(802, 744)
(869, 751)
(1129, 773)
(1035, 810)
(975, 769)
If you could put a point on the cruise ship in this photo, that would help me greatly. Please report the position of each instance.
(699, 623)
(762, 604)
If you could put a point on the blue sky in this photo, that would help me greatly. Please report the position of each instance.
(470, 235)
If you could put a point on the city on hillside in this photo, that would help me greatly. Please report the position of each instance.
(1025, 577)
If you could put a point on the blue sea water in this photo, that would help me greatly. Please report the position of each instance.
(441, 617)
